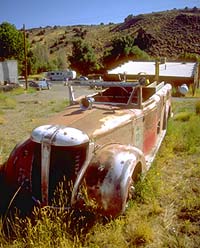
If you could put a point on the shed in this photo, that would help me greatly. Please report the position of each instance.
(9, 71)
(176, 73)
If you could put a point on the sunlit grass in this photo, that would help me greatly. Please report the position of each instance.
(31, 112)
(59, 106)
(197, 107)
(6, 98)
(182, 116)
(109, 235)
(195, 94)
(148, 187)
(17, 91)
(2, 120)
(164, 212)
(6, 102)
(45, 231)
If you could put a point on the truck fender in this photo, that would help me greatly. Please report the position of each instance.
(105, 183)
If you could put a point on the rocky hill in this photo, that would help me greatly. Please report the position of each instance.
(167, 34)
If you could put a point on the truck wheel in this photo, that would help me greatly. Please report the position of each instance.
(135, 178)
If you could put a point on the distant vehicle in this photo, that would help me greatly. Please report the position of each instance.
(21, 78)
(41, 85)
(83, 78)
(183, 89)
(61, 75)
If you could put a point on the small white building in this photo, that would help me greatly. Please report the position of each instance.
(9, 71)
(176, 73)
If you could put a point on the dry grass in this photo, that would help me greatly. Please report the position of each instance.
(20, 112)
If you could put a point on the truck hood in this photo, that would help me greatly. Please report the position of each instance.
(96, 121)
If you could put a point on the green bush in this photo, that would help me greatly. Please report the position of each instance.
(182, 116)
(198, 107)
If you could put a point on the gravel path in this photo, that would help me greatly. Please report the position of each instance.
(58, 92)
(32, 110)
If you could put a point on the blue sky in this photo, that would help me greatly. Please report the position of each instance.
(41, 13)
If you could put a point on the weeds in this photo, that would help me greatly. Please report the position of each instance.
(164, 213)
(140, 234)
(111, 235)
(148, 188)
(7, 102)
(182, 116)
(44, 231)
(197, 108)
(2, 120)
(58, 107)
(18, 118)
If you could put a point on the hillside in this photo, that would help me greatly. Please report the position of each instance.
(167, 34)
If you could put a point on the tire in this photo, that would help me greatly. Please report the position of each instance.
(135, 178)
(130, 193)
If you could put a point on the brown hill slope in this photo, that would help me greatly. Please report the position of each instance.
(168, 33)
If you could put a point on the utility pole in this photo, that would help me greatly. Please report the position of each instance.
(25, 58)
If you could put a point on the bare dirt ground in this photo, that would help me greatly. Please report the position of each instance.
(30, 111)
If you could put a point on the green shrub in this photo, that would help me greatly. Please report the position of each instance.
(197, 106)
(182, 116)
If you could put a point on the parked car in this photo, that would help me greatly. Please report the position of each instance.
(84, 78)
(41, 84)
(96, 149)
(77, 80)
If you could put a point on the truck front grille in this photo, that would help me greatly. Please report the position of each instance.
(65, 163)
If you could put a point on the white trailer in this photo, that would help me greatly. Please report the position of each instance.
(61, 75)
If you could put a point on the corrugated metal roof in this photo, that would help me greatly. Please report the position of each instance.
(174, 69)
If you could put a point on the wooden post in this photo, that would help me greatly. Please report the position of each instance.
(25, 58)
(157, 70)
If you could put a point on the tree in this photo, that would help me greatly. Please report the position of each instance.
(83, 58)
(128, 18)
(61, 60)
(31, 64)
(12, 46)
(41, 58)
(11, 42)
(123, 48)
(193, 57)
(123, 45)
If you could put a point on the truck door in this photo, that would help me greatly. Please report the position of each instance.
(150, 129)
(138, 132)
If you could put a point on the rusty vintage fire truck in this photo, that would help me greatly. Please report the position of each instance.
(96, 149)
